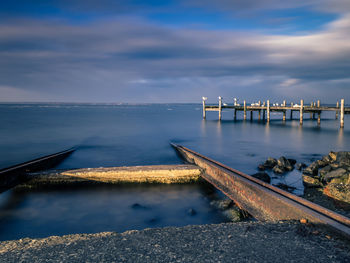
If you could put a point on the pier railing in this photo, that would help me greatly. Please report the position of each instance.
(264, 110)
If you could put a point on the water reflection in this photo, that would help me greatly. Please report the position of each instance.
(41, 213)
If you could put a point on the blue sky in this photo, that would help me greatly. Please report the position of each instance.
(173, 51)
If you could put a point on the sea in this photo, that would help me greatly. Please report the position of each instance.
(107, 135)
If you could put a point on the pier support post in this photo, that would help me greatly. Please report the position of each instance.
(251, 115)
(342, 113)
(259, 116)
(245, 109)
(284, 115)
(268, 110)
(220, 105)
(291, 111)
(301, 111)
(204, 111)
(235, 115)
(319, 118)
(312, 104)
(337, 112)
(318, 113)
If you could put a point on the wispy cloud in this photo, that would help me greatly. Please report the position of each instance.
(133, 59)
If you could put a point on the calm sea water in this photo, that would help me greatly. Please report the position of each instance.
(119, 135)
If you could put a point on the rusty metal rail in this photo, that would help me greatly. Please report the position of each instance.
(263, 201)
(11, 176)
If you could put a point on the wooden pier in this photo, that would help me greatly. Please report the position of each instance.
(264, 110)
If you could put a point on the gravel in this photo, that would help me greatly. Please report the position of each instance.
(287, 241)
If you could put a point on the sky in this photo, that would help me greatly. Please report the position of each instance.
(165, 51)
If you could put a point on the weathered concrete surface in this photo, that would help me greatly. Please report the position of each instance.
(132, 174)
(230, 242)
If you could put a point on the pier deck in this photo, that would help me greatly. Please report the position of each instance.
(264, 109)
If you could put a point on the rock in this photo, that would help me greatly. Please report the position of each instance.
(233, 214)
(138, 206)
(263, 177)
(339, 192)
(292, 161)
(278, 170)
(325, 170)
(326, 159)
(332, 156)
(191, 212)
(222, 204)
(270, 163)
(284, 164)
(309, 181)
(334, 166)
(343, 158)
(321, 163)
(312, 169)
(261, 167)
(300, 166)
(334, 174)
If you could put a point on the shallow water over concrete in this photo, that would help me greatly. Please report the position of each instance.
(46, 212)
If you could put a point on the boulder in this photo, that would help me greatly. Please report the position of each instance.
(343, 158)
(339, 192)
(284, 163)
(261, 167)
(325, 170)
(222, 204)
(326, 159)
(191, 212)
(310, 181)
(312, 169)
(292, 161)
(334, 166)
(233, 214)
(270, 162)
(334, 174)
(332, 156)
(321, 163)
(300, 166)
(278, 170)
(263, 177)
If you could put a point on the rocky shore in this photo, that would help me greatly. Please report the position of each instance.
(326, 181)
(231, 242)
(332, 175)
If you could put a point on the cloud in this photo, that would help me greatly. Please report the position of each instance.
(253, 6)
(129, 59)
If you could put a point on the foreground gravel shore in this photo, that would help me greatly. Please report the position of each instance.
(230, 242)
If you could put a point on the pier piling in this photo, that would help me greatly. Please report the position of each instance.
(265, 108)
(245, 109)
(337, 112)
(220, 106)
(204, 111)
(301, 111)
(342, 113)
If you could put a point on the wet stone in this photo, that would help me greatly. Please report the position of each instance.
(191, 212)
(270, 162)
(292, 161)
(310, 181)
(262, 176)
(300, 166)
(312, 169)
(278, 170)
(325, 170)
(334, 174)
